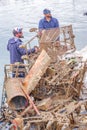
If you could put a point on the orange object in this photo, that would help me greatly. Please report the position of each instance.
(17, 123)
(31, 102)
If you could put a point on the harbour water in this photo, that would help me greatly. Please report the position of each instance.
(26, 13)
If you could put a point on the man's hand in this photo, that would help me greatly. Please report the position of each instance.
(39, 34)
(36, 48)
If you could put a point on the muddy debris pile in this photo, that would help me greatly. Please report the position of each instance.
(50, 95)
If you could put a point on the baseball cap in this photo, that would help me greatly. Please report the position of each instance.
(17, 30)
(46, 11)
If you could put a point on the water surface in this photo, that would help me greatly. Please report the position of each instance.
(26, 13)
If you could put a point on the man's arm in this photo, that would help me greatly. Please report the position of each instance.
(56, 23)
(23, 51)
(9, 42)
(8, 46)
(41, 24)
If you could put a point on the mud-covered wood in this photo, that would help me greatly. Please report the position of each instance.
(37, 71)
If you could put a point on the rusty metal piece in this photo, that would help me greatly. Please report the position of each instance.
(49, 124)
(30, 100)
(27, 127)
(15, 96)
(50, 35)
(54, 89)
(57, 41)
(18, 123)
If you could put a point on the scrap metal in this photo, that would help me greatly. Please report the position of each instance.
(56, 95)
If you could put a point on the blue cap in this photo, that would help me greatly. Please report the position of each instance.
(17, 30)
(46, 11)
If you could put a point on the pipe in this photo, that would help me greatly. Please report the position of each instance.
(15, 96)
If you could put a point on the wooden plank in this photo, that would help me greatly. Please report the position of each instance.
(36, 72)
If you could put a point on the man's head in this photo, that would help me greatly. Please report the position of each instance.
(17, 32)
(47, 13)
